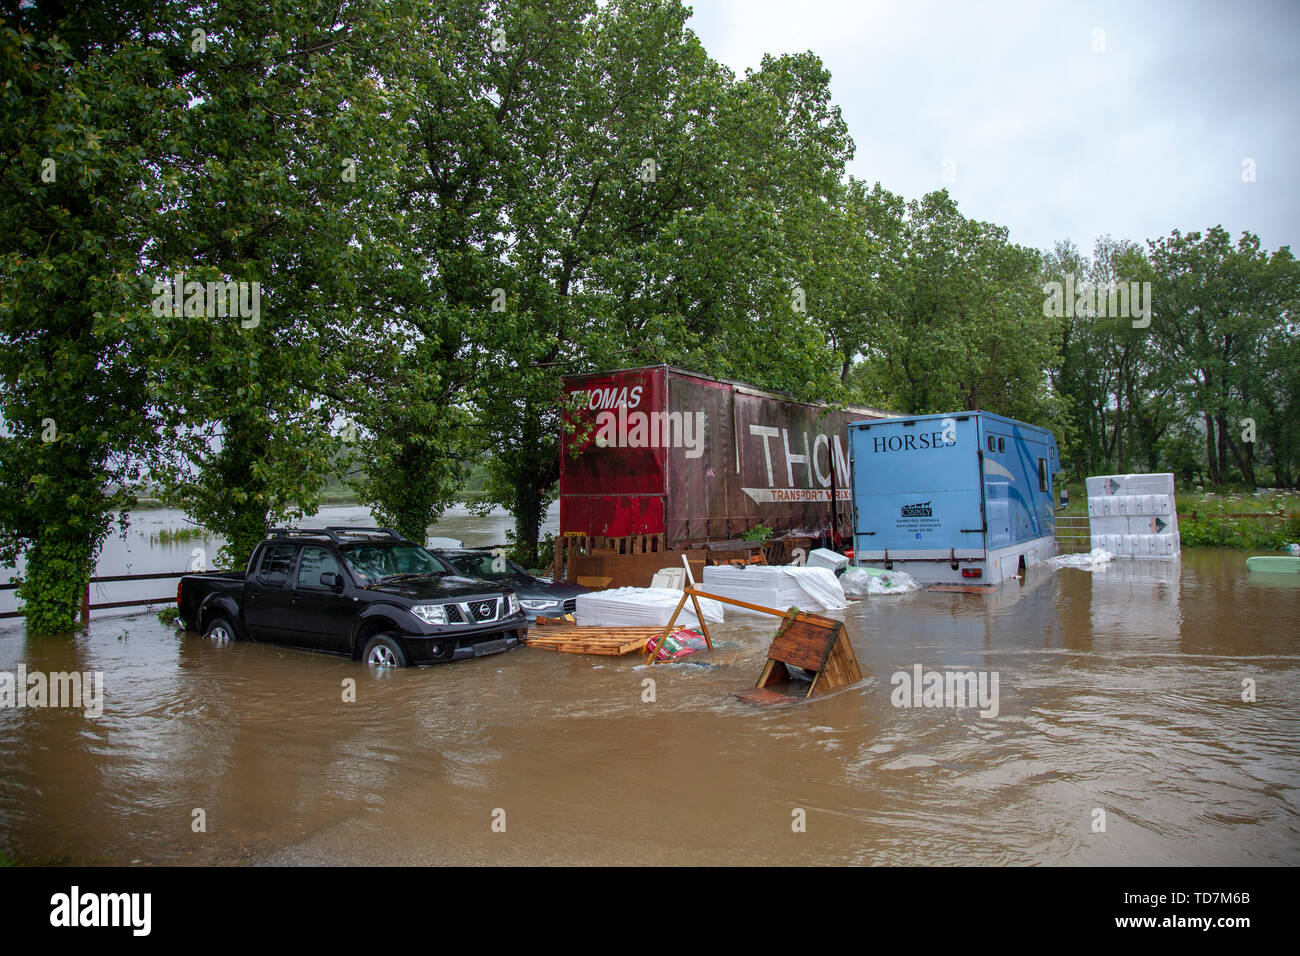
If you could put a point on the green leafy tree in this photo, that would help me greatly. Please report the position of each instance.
(282, 164)
(1217, 306)
(965, 327)
(84, 110)
(1110, 374)
(654, 228)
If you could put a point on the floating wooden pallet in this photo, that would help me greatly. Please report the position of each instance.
(574, 639)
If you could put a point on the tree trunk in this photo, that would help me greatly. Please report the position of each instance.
(242, 523)
(1121, 459)
(539, 465)
(1222, 421)
(1245, 463)
(528, 524)
(1211, 452)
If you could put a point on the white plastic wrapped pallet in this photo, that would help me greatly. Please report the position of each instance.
(826, 558)
(780, 587)
(640, 607)
(1134, 515)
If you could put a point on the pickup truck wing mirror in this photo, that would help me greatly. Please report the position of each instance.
(331, 580)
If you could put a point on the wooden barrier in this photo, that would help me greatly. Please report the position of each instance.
(87, 607)
(688, 593)
(813, 643)
(808, 641)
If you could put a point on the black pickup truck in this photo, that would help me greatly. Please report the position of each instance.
(364, 592)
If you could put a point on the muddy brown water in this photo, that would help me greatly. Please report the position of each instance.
(1118, 691)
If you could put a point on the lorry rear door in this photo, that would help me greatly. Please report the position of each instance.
(916, 487)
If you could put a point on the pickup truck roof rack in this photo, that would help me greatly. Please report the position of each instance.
(335, 533)
(362, 532)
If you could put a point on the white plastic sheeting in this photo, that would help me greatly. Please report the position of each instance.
(640, 607)
(780, 587)
(862, 582)
(1095, 560)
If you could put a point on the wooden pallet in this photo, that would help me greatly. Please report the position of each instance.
(573, 639)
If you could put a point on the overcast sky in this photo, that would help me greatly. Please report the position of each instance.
(1044, 135)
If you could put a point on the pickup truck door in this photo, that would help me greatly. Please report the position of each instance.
(266, 595)
(321, 617)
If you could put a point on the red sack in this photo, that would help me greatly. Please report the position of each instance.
(677, 645)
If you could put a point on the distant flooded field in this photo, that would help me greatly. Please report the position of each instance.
(1120, 705)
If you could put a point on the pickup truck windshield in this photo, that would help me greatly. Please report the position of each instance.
(374, 562)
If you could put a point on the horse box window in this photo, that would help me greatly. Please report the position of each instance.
(1043, 478)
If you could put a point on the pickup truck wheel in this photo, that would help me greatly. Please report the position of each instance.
(383, 651)
(220, 631)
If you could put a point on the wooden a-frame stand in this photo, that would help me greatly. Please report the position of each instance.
(694, 596)
(809, 641)
(814, 643)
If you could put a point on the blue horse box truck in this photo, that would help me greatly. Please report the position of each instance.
(962, 498)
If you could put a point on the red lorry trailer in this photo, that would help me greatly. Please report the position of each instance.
(666, 459)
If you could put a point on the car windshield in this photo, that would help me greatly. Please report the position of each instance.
(375, 562)
(484, 565)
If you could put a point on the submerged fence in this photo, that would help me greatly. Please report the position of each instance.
(1073, 534)
(87, 607)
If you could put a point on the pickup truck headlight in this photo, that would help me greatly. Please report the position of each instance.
(512, 605)
(539, 605)
(430, 613)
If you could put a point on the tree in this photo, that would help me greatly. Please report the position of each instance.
(856, 261)
(1110, 374)
(966, 327)
(1215, 307)
(88, 96)
(279, 161)
(649, 225)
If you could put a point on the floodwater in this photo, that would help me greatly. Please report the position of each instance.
(1121, 737)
